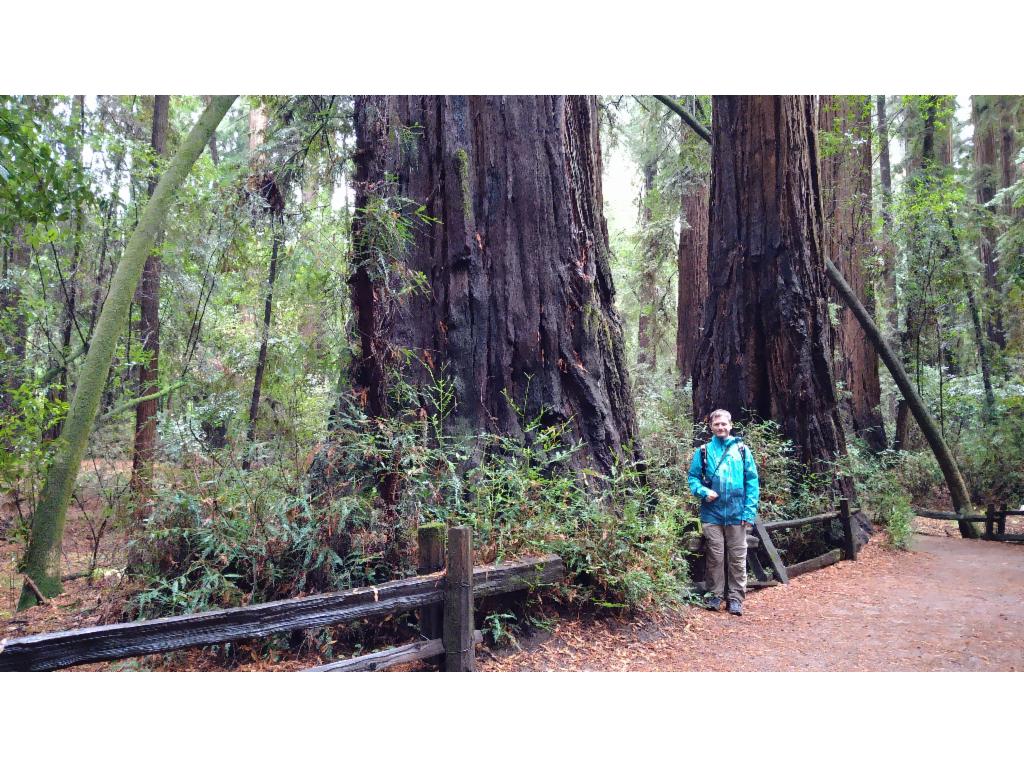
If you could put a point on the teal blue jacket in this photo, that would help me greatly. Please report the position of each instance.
(735, 482)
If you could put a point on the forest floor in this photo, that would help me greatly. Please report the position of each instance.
(948, 604)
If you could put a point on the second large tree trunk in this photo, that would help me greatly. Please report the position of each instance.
(518, 303)
(766, 351)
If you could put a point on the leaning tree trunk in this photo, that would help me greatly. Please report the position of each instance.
(519, 306)
(846, 205)
(149, 335)
(766, 351)
(42, 560)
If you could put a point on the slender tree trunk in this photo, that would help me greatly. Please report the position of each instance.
(888, 246)
(647, 335)
(984, 168)
(766, 351)
(846, 201)
(67, 282)
(693, 278)
(929, 153)
(520, 312)
(42, 560)
(263, 185)
(149, 333)
(277, 237)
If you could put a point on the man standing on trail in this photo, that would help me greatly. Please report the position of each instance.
(723, 475)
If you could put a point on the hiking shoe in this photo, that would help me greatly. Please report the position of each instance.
(735, 607)
(713, 603)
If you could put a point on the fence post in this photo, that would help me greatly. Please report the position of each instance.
(430, 550)
(458, 602)
(990, 519)
(849, 541)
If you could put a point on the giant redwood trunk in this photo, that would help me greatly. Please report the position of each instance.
(846, 207)
(766, 350)
(518, 309)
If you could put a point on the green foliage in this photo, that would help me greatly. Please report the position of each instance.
(882, 491)
(992, 455)
(25, 456)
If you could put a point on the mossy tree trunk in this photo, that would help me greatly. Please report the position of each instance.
(42, 560)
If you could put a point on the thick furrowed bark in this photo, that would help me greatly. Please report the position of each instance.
(520, 308)
(766, 350)
(42, 561)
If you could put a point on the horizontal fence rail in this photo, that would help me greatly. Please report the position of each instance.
(57, 650)
(994, 520)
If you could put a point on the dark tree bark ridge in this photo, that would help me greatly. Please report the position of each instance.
(520, 309)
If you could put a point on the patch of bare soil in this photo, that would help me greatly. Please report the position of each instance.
(95, 594)
(949, 604)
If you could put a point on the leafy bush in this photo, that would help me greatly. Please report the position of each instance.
(882, 491)
(992, 455)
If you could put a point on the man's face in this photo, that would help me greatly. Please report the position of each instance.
(721, 426)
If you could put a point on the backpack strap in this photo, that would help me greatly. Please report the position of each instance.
(704, 464)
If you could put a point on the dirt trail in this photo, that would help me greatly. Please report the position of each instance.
(949, 604)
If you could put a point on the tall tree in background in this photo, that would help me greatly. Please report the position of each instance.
(647, 333)
(692, 262)
(845, 124)
(693, 277)
(266, 189)
(766, 350)
(149, 332)
(517, 306)
(42, 562)
(887, 246)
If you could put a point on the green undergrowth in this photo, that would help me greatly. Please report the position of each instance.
(224, 537)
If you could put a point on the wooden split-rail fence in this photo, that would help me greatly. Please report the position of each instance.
(994, 520)
(443, 596)
(762, 555)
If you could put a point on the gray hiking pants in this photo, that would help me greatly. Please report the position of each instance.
(719, 540)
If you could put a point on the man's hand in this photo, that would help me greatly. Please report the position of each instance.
(711, 495)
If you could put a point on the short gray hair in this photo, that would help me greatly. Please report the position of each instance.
(720, 412)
